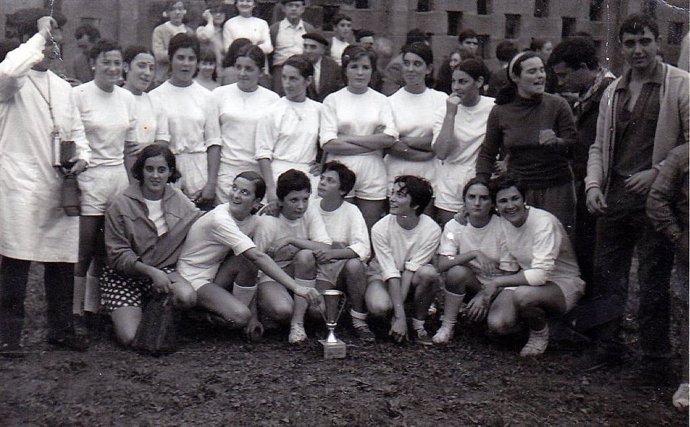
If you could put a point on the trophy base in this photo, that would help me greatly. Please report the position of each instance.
(333, 350)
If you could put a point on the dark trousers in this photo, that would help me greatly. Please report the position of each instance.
(559, 200)
(624, 229)
(585, 230)
(59, 288)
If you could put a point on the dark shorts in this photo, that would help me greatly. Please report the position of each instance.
(122, 291)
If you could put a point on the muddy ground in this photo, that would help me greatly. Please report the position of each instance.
(218, 378)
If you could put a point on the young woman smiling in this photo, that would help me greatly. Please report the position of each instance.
(414, 107)
(287, 135)
(535, 130)
(145, 227)
(356, 126)
(109, 116)
(152, 124)
(236, 108)
(459, 130)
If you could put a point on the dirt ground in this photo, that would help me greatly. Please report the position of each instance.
(217, 378)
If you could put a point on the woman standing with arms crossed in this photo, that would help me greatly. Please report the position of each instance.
(414, 107)
(236, 108)
(535, 130)
(459, 130)
(109, 116)
(288, 133)
(194, 135)
(356, 126)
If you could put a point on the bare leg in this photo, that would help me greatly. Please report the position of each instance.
(126, 321)
(275, 302)
(222, 303)
(377, 299)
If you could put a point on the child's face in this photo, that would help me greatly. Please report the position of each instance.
(177, 12)
(400, 201)
(343, 29)
(242, 198)
(245, 7)
(206, 68)
(295, 204)
(329, 185)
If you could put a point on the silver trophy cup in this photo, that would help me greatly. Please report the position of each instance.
(334, 301)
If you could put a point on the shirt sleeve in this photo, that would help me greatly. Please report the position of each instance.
(162, 126)
(387, 120)
(448, 245)
(212, 123)
(267, 131)
(205, 32)
(266, 45)
(329, 121)
(131, 134)
(384, 253)
(16, 65)
(359, 236)
(439, 116)
(158, 44)
(77, 133)
(121, 257)
(545, 248)
(227, 233)
(565, 123)
(263, 233)
(426, 248)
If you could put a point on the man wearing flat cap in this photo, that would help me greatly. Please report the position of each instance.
(327, 76)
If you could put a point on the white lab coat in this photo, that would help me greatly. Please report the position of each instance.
(33, 225)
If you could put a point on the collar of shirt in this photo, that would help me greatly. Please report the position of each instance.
(657, 77)
(286, 24)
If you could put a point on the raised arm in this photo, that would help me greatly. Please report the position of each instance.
(444, 135)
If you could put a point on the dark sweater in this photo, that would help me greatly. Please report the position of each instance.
(513, 129)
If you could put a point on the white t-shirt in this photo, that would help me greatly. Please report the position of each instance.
(152, 124)
(109, 120)
(337, 48)
(490, 240)
(209, 241)
(356, 114)
(237, 113)
(156, 215)
(398, 249)
(543, 250)
(192, 128)
(289, 131)
(469, 131)
(414, 117)
(346, 225)
(252, 28)
(270, 229)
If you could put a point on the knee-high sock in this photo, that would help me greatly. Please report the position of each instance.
(78, 295)
(452, 305)
(92, 294)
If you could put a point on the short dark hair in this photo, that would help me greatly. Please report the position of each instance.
(302, 64)
(573, 52)
(419, 189)
(475, 68)
(234, 47)
(474, 181)
(537, 43)
(345, 175)
(417, 35)
(292, 180)
(467, 34)
(363, 33)
(207, 55)
(354, 52)
(504, 182)
(636, 23)
(131, 52)
(252, 52)
(339, 17)
(257, 180)
(88, 30)
(102, 46)
(505, 50)
(154, 150)
(508, 92)
(181, 41)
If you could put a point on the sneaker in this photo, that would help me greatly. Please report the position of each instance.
(422, 337)
(364, 333)
(297, 334)
(680, 397)
(69, 341)
(444, 334)
(536, 344)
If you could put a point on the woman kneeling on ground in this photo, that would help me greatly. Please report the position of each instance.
(145, 227)
(470, 252)
(548, 283)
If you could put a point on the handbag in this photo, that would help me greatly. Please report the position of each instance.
(157, 332)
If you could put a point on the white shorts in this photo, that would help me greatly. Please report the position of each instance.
(450, 180)
(371, 175)
(330, 271)
(396, 167)
(226, 176)
(98, 185)
(194, 170)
